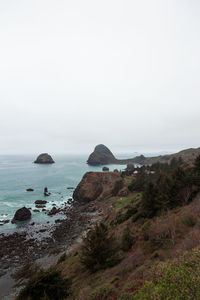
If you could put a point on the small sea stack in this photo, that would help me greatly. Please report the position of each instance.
(44, 158)
(105, 169)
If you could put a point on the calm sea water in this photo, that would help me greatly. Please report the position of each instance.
(17, 173)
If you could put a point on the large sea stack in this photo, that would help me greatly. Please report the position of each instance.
(101, 156)
(44, 158)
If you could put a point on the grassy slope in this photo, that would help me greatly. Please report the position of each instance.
(160, 240)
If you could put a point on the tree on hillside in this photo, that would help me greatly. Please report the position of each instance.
(99, 250)
(149, 200)
(197, 164)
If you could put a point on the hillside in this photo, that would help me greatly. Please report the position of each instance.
(146, 245)
(103, 156)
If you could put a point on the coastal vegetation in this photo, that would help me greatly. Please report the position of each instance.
(147, 245)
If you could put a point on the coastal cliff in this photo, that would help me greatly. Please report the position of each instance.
(97, 185)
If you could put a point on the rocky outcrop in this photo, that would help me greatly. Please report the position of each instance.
(101, 156)
(22, 214)
(53, 211)
(40, 202)
(105, 169)
(96, 186)
(44, 158)
(30, 190)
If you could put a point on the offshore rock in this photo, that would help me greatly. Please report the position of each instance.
(22, 214)
(101, 156)
(96, 186)
(44, 158)
(105, 169)
(40, 202)
(30, 190)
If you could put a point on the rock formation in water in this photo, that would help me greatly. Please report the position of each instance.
(40, 202)
(30, 190)
(105, 169)
(97, 186)
(44, 158)
(22, 214)
(101, 156)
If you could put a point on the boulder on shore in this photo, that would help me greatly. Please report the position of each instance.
(96, 186)
(22, 214)
(101, 156)
(53, 211)
(44, 158)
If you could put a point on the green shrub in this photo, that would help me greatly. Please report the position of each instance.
(145, 228)
(179, 283)
(120, 218)
(179, 280)
(102, 293)
(99, 250)
(189, 220)
(127, 239)
(48, 285)
(62, 258)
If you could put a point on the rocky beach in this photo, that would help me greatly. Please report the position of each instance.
(43, 242)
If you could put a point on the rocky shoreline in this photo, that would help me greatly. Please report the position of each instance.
(34, 241)
(37, 241)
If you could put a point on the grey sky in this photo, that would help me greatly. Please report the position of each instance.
(77, 73)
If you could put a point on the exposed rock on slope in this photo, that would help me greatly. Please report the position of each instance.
(22, 214)
(44, 158)
(97, 185)
(101, 156)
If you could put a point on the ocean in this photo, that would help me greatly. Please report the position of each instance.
(17, 173)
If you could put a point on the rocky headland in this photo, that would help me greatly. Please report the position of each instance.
(44, 158)
(97, 186)
(103, 156)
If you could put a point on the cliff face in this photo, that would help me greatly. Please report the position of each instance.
(97, 185)
(101, 156)
(44, 158)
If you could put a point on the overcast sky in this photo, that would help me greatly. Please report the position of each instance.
(77, 73)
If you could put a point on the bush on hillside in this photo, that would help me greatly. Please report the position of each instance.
(48, 285)
(179, 280)
(127, 239)
(99, 250)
